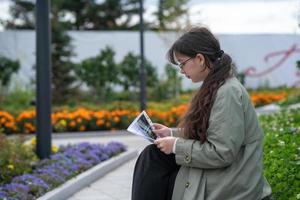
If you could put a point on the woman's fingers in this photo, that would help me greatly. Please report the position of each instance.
(162, 132)
(157, 126)
(157, 142)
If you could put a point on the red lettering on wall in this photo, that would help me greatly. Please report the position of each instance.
(285, 54)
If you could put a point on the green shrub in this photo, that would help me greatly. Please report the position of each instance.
(18, 99)
(7, 69)
(15, 158)
(282, 153)
(293, 98)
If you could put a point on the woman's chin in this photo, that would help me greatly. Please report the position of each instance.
(195, 81)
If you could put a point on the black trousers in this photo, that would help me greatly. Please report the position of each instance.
(154, 175)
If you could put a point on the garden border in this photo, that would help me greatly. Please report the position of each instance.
(272, 108)
(86, 178)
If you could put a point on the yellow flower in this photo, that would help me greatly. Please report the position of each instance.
(33, 141)
(63, 122)
(11, 167)
(54, 148)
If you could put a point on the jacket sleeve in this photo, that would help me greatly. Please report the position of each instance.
(225, 134)
(175, 132)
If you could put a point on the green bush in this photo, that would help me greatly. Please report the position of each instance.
(282, 153)
(7, 68)
(16, 158)
(18, 99)
(293, 98)
(168, 87)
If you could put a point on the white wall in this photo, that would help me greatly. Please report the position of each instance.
(246, 50)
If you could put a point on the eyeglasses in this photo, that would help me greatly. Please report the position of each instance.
(181, 65)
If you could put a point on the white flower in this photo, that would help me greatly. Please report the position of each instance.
(281, 129)
(281, 143)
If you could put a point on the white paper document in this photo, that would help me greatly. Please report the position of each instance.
(142, 126)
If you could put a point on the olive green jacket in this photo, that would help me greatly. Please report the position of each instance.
(228, 166)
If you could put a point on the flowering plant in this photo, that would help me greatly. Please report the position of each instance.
(15, 158)
(47, 174)
(282, 153)
(7, 123)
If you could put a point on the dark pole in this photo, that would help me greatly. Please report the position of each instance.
(143, 77)
(43, 77)
(160, 14)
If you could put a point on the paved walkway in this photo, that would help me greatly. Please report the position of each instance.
(116, 185)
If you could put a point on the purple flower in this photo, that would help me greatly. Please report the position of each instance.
(16, 190)
(16, 187)
(49, 173)
(3, 194)
(114, 148)
(30, 179)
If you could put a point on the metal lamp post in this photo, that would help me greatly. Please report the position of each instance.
(143, 77)
(43, 77)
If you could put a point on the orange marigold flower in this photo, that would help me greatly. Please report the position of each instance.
(100, 122)
(116, 119)
(82, 128)
(72, 124)
(78, 120)
(108, 124)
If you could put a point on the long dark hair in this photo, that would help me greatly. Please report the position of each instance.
(194, 123)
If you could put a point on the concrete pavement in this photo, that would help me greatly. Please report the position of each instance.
(116, 185)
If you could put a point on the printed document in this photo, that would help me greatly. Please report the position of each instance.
(142, 126)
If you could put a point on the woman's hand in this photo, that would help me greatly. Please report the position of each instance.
(161, 130)
(165, 144)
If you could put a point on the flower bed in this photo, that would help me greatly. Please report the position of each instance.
(264, 97)
(86, 120)
(92, 119)
(282, 153)
(47, 174)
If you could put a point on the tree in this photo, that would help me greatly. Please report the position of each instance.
(169, 87)
(22, 13)
(106, 15)
(173, 80)
(63, 76)
(85, 15)
(98, 15)
(99, 73)
(129, 73)
(7, 69)
(169, 13)
(116, 14)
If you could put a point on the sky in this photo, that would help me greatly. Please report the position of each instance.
(231, 16)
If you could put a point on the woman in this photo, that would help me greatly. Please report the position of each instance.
(216, 154)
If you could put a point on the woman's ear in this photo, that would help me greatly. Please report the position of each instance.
(200, 58)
